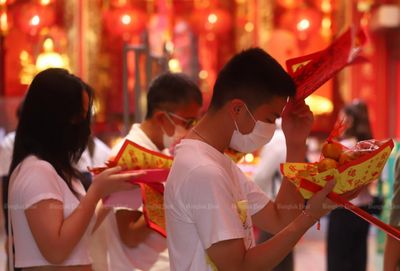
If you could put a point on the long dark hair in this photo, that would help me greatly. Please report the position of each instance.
(53, 124)
(360, 127)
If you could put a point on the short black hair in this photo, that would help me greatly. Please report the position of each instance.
(252, 76)
(169, 90)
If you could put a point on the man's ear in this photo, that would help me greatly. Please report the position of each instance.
(159, 117)
(235, 107)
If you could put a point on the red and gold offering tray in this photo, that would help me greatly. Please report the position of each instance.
(155, 166)
(350, 168)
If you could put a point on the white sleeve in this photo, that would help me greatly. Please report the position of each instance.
(40, 182)
(101, 152)
(272, 155)
(114, 151)
(256, 198)
(6, 150)
(211, 206)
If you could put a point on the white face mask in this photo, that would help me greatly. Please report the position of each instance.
(179, 133)
(261, 135)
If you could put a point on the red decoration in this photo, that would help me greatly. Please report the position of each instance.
(124, 21)
(302, 20)
(118, 3)
(8, 2)
(5, 21)
(217, 21)
(327, 5)
(290, 3)
(31, 17)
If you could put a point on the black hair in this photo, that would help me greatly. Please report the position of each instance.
(19, 109)
(360, 127)
(52, 124)
(252, 76)
(169, 90)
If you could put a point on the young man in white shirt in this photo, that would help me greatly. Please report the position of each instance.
(173, 105)
(210, 205)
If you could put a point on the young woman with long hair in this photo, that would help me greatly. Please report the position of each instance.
(51, 215)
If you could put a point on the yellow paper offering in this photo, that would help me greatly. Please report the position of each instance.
(133, 156)
(350, 176)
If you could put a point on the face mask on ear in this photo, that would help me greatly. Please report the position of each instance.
(258, 137)
(179, 133)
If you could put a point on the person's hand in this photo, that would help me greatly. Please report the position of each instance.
(319, 204)
(112, 180)
(297, 120)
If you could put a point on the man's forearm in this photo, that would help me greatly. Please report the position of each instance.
(295, 152)
(270, 253)
(289, 201)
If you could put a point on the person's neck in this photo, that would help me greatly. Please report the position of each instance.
(153, 132)
(215, 129)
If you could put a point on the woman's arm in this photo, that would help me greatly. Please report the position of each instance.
(57, 236)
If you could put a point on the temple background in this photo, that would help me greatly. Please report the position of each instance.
(121, 44)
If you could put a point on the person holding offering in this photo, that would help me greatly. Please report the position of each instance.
(51, 215)
(210, 205)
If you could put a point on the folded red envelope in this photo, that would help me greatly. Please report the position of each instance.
(312, 71)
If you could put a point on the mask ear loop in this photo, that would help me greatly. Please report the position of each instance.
(170, 120)
(237, 128)
(251, 115)
(162, 129)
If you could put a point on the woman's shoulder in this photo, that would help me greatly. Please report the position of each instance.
(34, 162)
(33, 165)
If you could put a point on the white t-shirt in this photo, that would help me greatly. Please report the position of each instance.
(101, 152)
(152, 254)
(271, 157)
(98, 243)
(208, 199)
(32, 181)
(6, 150)
(137, 135)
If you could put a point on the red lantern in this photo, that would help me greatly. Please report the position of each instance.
(5, 21)
(31, 17)
(290, 3)
(216, 21)
(7, 2)
(327, 6)
(302, 20)
(123, 21)
(118, 3)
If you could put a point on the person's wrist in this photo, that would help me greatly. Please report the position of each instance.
(296, 142)
(296, 152)
(311, 217)
(95, 191)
